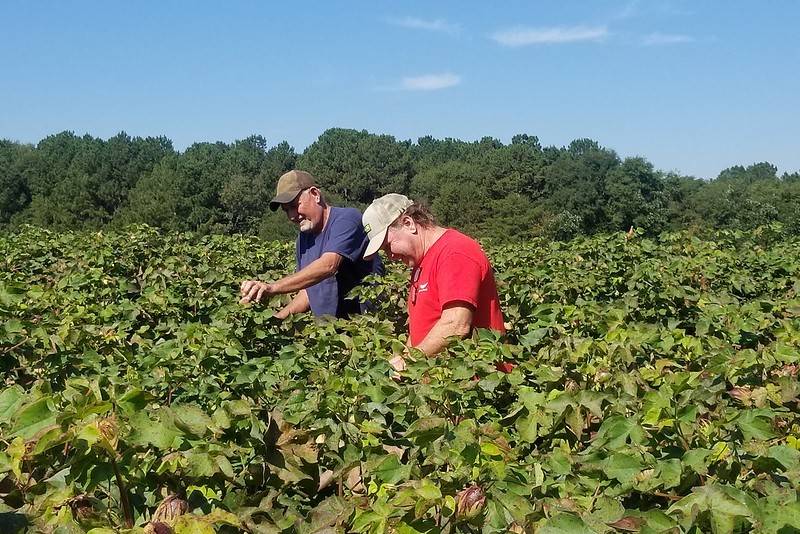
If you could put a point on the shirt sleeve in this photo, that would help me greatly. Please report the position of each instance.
(346, 237)
(458, 278)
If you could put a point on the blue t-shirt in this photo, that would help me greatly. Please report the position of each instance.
(344, 235)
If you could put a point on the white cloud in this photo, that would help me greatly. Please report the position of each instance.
(438, 25)
(555, 35)
(431, 82)
(629, 10)
(666, 39)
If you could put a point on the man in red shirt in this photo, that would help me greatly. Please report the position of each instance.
(452, 288)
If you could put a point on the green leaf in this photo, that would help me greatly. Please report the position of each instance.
(192, 419)
(32, 418)
(332, 512)
(221, 419)
(218, 516)
(490, 449)
(417, 527)
(200, 464)
(391, 471)
(697, 460)
(89, 433)
(564, 523)
(517, 506)
(225, 466)
(778, 518)
(190, 524)
(593, 401)
(5, 463)
(655, 521)
(701, 327)
(668, 473)
(754, 425)
(726, 505)
(238, 408)
(134, 400)
(533, 337)
(788, 457)
(606, 510)
(48, 439)
(14, 326)
(616, 431)
(369, 522)
(622, 467)
(147, 432)
(428, 490)
(559, 462)
(427, 429)
(528, 427)
(10, 399)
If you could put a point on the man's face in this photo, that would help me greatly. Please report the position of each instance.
(402, 243)
(306, 210)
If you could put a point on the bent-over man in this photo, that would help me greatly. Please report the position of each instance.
(329, 253)
(452, 288)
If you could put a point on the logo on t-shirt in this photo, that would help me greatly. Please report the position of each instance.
(423, 287)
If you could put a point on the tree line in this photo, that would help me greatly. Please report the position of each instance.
(486, 188)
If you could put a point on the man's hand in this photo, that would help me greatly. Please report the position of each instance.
(254, 291)
(398, 362)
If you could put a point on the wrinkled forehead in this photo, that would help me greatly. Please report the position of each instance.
(394, 233)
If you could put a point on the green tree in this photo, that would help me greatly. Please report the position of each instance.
(429, 152)
(122, 161)
(632, 196)
(14, 192)
(426, 185)
(741, 197)
(245, 200)
(574, 183)
(358, 166)
(751, 173)
(156, 199)
(461, 205)
(81, 182)
(278, 160)
(511, 218)
(250, 177)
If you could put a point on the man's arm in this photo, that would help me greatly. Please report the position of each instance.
(318, 270)
(299, 304)
(456, 321)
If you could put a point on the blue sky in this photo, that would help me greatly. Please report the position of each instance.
(692, 86)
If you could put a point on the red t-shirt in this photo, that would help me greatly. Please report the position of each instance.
(455, 268)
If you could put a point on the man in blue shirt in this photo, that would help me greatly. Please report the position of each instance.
(329, 253)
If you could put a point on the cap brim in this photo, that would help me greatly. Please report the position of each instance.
(283, 198)
(375, 243)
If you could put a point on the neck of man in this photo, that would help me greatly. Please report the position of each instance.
(326, 213)
(428, 237)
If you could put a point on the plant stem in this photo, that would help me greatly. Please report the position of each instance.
(127, 511)
(9, 349)
(667, 496)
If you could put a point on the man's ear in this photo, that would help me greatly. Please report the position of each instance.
(409, 224)
(316, 193)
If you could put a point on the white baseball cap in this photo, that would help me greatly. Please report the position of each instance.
(379, 216)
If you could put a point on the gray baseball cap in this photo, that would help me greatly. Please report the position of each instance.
(379, 216)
